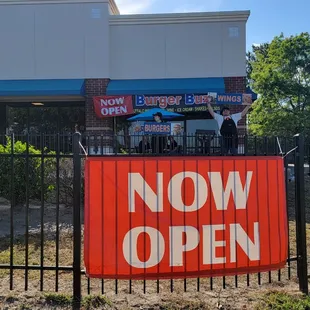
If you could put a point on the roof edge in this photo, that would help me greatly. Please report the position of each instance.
(113, 8)
(225, 16)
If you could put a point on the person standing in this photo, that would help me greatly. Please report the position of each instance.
(172, 145)
(158, 142)
(144, 145)
(228, 127)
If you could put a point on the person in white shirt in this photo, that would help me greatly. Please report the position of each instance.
(228, 127)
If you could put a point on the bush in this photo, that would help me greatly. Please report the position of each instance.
(19, 189)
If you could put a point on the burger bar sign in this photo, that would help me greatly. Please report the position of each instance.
(111, 106)
(189, 102)
(153, 218)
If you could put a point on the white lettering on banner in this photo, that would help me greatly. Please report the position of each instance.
(164, 128)
(176, 243)
(177, 249)
(175, 192)
(229, 98)
(233, 186)
(210, 244)
(154, 200)
(130, 247)
(112, 101)
(238, 235)
(206, 235)
(137, 184)
(114, 110)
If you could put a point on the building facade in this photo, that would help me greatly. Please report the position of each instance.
(57, 55)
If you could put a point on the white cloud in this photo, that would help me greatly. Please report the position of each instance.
(175, 6)
(133, 6)
(209, 5)
(256, 44)
(188, 9)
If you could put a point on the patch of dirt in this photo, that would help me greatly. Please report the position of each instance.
(19, 216)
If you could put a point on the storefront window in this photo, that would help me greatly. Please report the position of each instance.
(57, 118)
(200, 124)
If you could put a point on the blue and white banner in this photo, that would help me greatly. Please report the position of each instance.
(188, 102)
(153, 128)
(233, 99)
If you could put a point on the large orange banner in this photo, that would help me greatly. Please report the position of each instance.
(165, 217)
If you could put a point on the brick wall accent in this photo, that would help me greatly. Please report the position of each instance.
(95, 125)
(236, 85)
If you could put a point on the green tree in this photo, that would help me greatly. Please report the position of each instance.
(251, 58)
(280, 73)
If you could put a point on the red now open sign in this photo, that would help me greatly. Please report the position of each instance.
(164, 217)
(111, 106)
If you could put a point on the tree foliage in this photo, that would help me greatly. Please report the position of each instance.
(251, 58)
(279, 72)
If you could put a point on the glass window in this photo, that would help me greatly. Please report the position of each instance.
(200, 124)
(50, 118)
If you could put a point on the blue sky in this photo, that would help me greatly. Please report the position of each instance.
(268, 17)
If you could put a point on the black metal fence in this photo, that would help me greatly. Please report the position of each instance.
(190, 144)
(41, 207)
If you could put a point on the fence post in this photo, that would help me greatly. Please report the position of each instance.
(76, 221)
(301, 237)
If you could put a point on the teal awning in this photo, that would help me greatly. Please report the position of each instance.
(71, 87)
(166, 86)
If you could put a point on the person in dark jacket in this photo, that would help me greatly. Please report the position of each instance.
(144, 145)
(172, 145)
(158, 142)
(228, 127)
